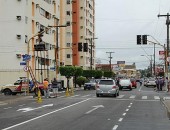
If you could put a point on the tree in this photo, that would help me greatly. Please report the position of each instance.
(108, 74)
(78, 72)
(99, 74)
(81, 80)
(89, 73)
(68, 72)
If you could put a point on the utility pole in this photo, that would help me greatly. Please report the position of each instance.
(167, 23)
(110, 57)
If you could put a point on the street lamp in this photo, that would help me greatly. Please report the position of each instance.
(57, 46)
(150, 60)
(91, 52)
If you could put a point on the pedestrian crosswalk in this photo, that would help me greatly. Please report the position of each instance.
(136, 97)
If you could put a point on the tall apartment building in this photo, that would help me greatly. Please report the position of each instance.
(83, 32)
(19, 21)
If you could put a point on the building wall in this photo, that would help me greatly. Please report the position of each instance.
(31, 12)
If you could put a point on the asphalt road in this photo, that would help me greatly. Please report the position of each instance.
(139, 109)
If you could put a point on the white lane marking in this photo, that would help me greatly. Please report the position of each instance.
(45, 115)
(156, 97)
(129, 106)
(131, 103)
(124, 114)
(166, 98)
(132, 96)
(95, 108)
(22, 105)
(127, 109)
(3, 103)
(31, 109)
(120, 96)
(144, 97)
(86, 95)
(7, 108)
(115, 127)
(120, 119)
(75, 96)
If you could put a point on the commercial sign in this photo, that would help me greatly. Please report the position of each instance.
(121, 63)
(161, 55)
(26, 57)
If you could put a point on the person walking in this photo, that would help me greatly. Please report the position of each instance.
(46, 91)
(157, 84)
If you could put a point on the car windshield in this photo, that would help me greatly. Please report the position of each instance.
(106, 82)
(124, 81)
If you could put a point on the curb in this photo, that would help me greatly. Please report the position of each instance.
(165, 104)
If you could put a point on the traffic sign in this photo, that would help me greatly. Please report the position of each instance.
(26, 57)
(22, 63)
(25, 68)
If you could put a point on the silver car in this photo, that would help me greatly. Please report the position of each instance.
(107, 87)
(125, 84)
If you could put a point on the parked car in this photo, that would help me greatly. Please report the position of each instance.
(125, 84)
(107, 87)
(90, 85)
(134, 84)
(20, 86)
(151, 82)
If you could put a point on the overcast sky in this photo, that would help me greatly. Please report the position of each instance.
(119, 21)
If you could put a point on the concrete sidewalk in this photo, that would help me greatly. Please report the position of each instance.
(166, 103)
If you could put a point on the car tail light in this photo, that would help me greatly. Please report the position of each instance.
(114, 87)
(97, 86)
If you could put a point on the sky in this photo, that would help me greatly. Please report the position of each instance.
(118, 22)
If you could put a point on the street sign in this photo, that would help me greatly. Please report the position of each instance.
(22, 63)
(26, 57)
(25, 68)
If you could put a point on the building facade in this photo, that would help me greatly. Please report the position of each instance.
(20, 21)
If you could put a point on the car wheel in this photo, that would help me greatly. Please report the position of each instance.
(130, 89)
(14, 93)
(115, 95)
(7, 92)
(97, 95)
(118, 93)
(88, 88)
(84, 88)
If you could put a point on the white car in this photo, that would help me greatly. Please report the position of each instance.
(125, 84)
(151, 82)
(107, 87)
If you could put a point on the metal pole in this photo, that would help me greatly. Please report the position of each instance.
(91, 59)
(154, 61)
(151, 65)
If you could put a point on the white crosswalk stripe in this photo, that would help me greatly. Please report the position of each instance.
(144, 97)
(86, 95)
(156, 97)
(120, 96)
(132, 96)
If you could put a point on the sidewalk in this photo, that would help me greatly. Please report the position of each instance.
(166, 103)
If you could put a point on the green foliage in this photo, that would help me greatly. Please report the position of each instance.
(67, 71)
(79, 71)
(81, 80)
(99, 74)
(108, 74)
(89, 73)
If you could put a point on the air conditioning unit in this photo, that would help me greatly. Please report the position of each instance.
(18, 17)
(18, 55)
(37, 5)
(18, 36)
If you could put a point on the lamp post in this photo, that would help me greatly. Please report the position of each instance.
(150, 60)
(91, 52)
(110, 61)
(57, 46)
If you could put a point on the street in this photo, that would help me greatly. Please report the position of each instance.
(139, 109)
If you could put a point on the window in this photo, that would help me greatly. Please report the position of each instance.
(68, 56)
(68, 44)
(26, 38)
(68, 12)
(26, 19)
(68, 23)
(68, 1)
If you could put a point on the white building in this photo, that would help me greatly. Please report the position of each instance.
(19, 21)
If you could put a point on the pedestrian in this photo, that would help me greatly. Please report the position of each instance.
(46, 91)
(161, 83)
(157, 84)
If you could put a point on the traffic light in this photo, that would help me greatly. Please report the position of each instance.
(85, 47)
(80, 46)
(40, 35)
(139, 40)
(144, 39)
